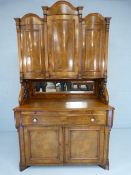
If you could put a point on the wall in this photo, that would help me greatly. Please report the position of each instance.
(119, 71)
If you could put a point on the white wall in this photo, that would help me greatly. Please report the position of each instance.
(119, 71)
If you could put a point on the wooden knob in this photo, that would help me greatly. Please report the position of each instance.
(35, 120)
(92, 119)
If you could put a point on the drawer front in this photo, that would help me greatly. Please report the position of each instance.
(90, 119)
(64, 113)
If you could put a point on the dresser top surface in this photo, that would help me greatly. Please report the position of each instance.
(67, 104)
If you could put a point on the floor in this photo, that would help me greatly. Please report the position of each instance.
(120, 158)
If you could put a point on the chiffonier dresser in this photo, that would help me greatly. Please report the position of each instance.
(64, 116)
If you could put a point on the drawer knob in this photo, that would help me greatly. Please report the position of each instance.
(35, 120)
(92, 119)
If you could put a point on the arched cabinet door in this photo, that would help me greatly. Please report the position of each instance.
(63, 39)
(31, 46)
(95, 41)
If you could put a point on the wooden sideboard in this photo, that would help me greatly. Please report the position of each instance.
(64, 116)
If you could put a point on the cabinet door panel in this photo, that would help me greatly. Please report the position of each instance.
(93, 49)
(43, 145)
(84, 144)
(63, 46)
(32, 47)
(93, 60)
(31, 51)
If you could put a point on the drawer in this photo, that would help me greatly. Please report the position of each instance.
(64, 120)
(67, 113)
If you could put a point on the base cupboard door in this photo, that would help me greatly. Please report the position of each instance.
(43, 145)
(84, 144)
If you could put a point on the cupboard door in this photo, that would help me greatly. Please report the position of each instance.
(84, 144)
(94, 45)
(43, 145)
(32, 49)
(63, 42)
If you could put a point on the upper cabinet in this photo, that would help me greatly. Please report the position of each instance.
(32, 49)
(64, 37)
(63, 45)
(95, 46)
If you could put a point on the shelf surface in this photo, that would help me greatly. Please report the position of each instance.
(58, 104)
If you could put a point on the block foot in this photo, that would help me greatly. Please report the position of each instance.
(105, 166)
(23, 167)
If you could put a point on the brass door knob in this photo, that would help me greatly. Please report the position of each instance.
(35, 120)
(92, 119)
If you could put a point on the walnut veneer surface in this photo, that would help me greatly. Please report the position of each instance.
(70, 53)
(64, 104)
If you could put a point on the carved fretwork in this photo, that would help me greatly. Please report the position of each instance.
(103, 92)
(21, 95)
(24, 92)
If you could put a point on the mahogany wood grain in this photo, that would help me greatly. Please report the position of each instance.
(67, 104)
(43, 145)
(89, 150)
(31, 40)
(94, 46)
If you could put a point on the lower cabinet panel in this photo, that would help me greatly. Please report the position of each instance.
(58, 145)
(43, 145)
(84, 144)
